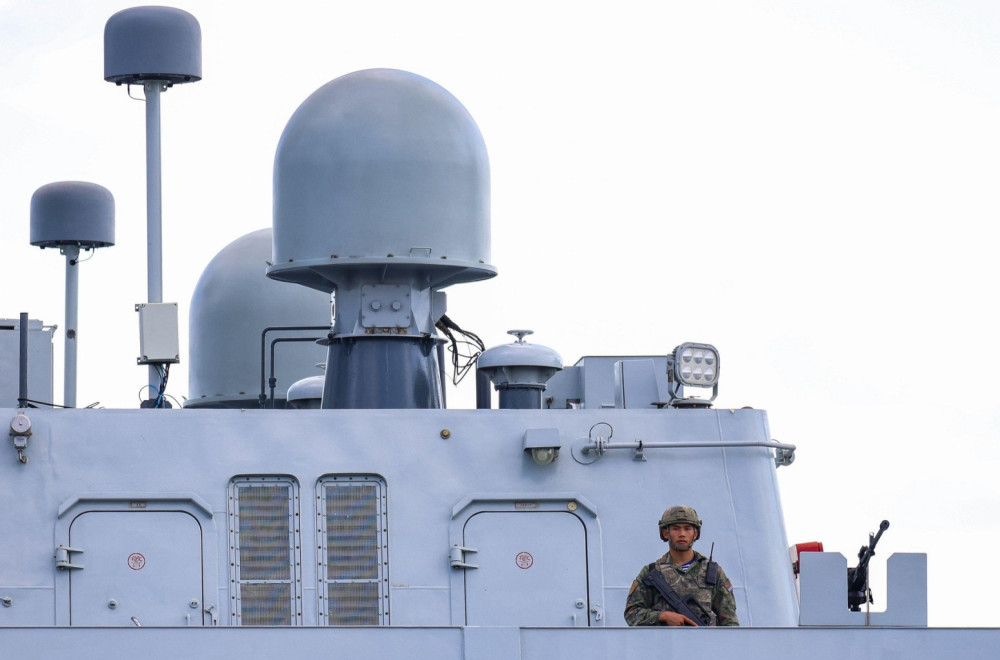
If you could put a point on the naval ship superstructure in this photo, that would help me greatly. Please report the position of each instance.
(352, 513)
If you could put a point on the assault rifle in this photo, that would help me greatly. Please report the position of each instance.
(858, 592)
(685, 606)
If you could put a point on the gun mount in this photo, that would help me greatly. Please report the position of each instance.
(858, 592)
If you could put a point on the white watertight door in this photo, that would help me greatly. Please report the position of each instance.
(532, 569)
(138, 568)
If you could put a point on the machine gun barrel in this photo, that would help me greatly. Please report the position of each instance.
(857, 577)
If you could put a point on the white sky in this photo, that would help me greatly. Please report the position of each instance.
(809, 185)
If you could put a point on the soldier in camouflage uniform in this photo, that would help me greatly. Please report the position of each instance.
(686, 571)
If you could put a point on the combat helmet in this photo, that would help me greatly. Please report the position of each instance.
(680, 514)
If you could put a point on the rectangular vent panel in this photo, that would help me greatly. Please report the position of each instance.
(265, 604)
(264, 530)
(265, 576)
(355, 573)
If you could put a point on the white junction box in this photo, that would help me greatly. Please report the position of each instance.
(158, 338)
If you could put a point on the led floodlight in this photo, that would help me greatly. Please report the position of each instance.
(693, 365)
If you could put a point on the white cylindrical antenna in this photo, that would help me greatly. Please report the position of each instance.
(157, 47)
(72, 216)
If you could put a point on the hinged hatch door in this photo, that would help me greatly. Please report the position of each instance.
(531, 570)
(137, 568)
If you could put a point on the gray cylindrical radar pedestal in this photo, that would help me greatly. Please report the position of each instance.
(152, 43)
(411, 363)
(382, 196)
(519, 371)
(72, 216)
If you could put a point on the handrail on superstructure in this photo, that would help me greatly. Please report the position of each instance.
(262, 397)
(784, 453)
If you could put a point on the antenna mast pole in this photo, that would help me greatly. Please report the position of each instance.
(72, 253)
(154, 209)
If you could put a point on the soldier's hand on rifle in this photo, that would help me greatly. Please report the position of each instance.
(675, 619)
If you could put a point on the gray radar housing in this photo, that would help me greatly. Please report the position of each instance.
(382, 197)
(72, 213)
(232, 304)
(152, 43)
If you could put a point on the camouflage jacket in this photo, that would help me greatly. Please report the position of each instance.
(644, 603)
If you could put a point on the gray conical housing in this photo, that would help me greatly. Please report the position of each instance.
(232, 304)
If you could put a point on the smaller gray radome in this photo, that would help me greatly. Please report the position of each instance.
(306, 394)
(72, 213)
(520, 354)
(519, 371)
(152, 43)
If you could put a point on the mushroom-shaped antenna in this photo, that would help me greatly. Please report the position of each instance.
(72, 216)
(72, 213)
(520, 370)
(156, 47)
(152, 43)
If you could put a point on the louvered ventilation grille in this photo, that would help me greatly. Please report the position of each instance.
(263, 538)
(264, 549)
(354, 553)
(352, 532)
(353, 603)
(266, 604)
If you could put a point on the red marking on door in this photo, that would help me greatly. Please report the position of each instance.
(136, 561)
(524, 560)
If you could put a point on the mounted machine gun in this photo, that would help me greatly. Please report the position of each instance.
(857, 577)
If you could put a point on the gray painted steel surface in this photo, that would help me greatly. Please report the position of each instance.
(482, 643)
(599, 381)
(432, 484)
(570, 531)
